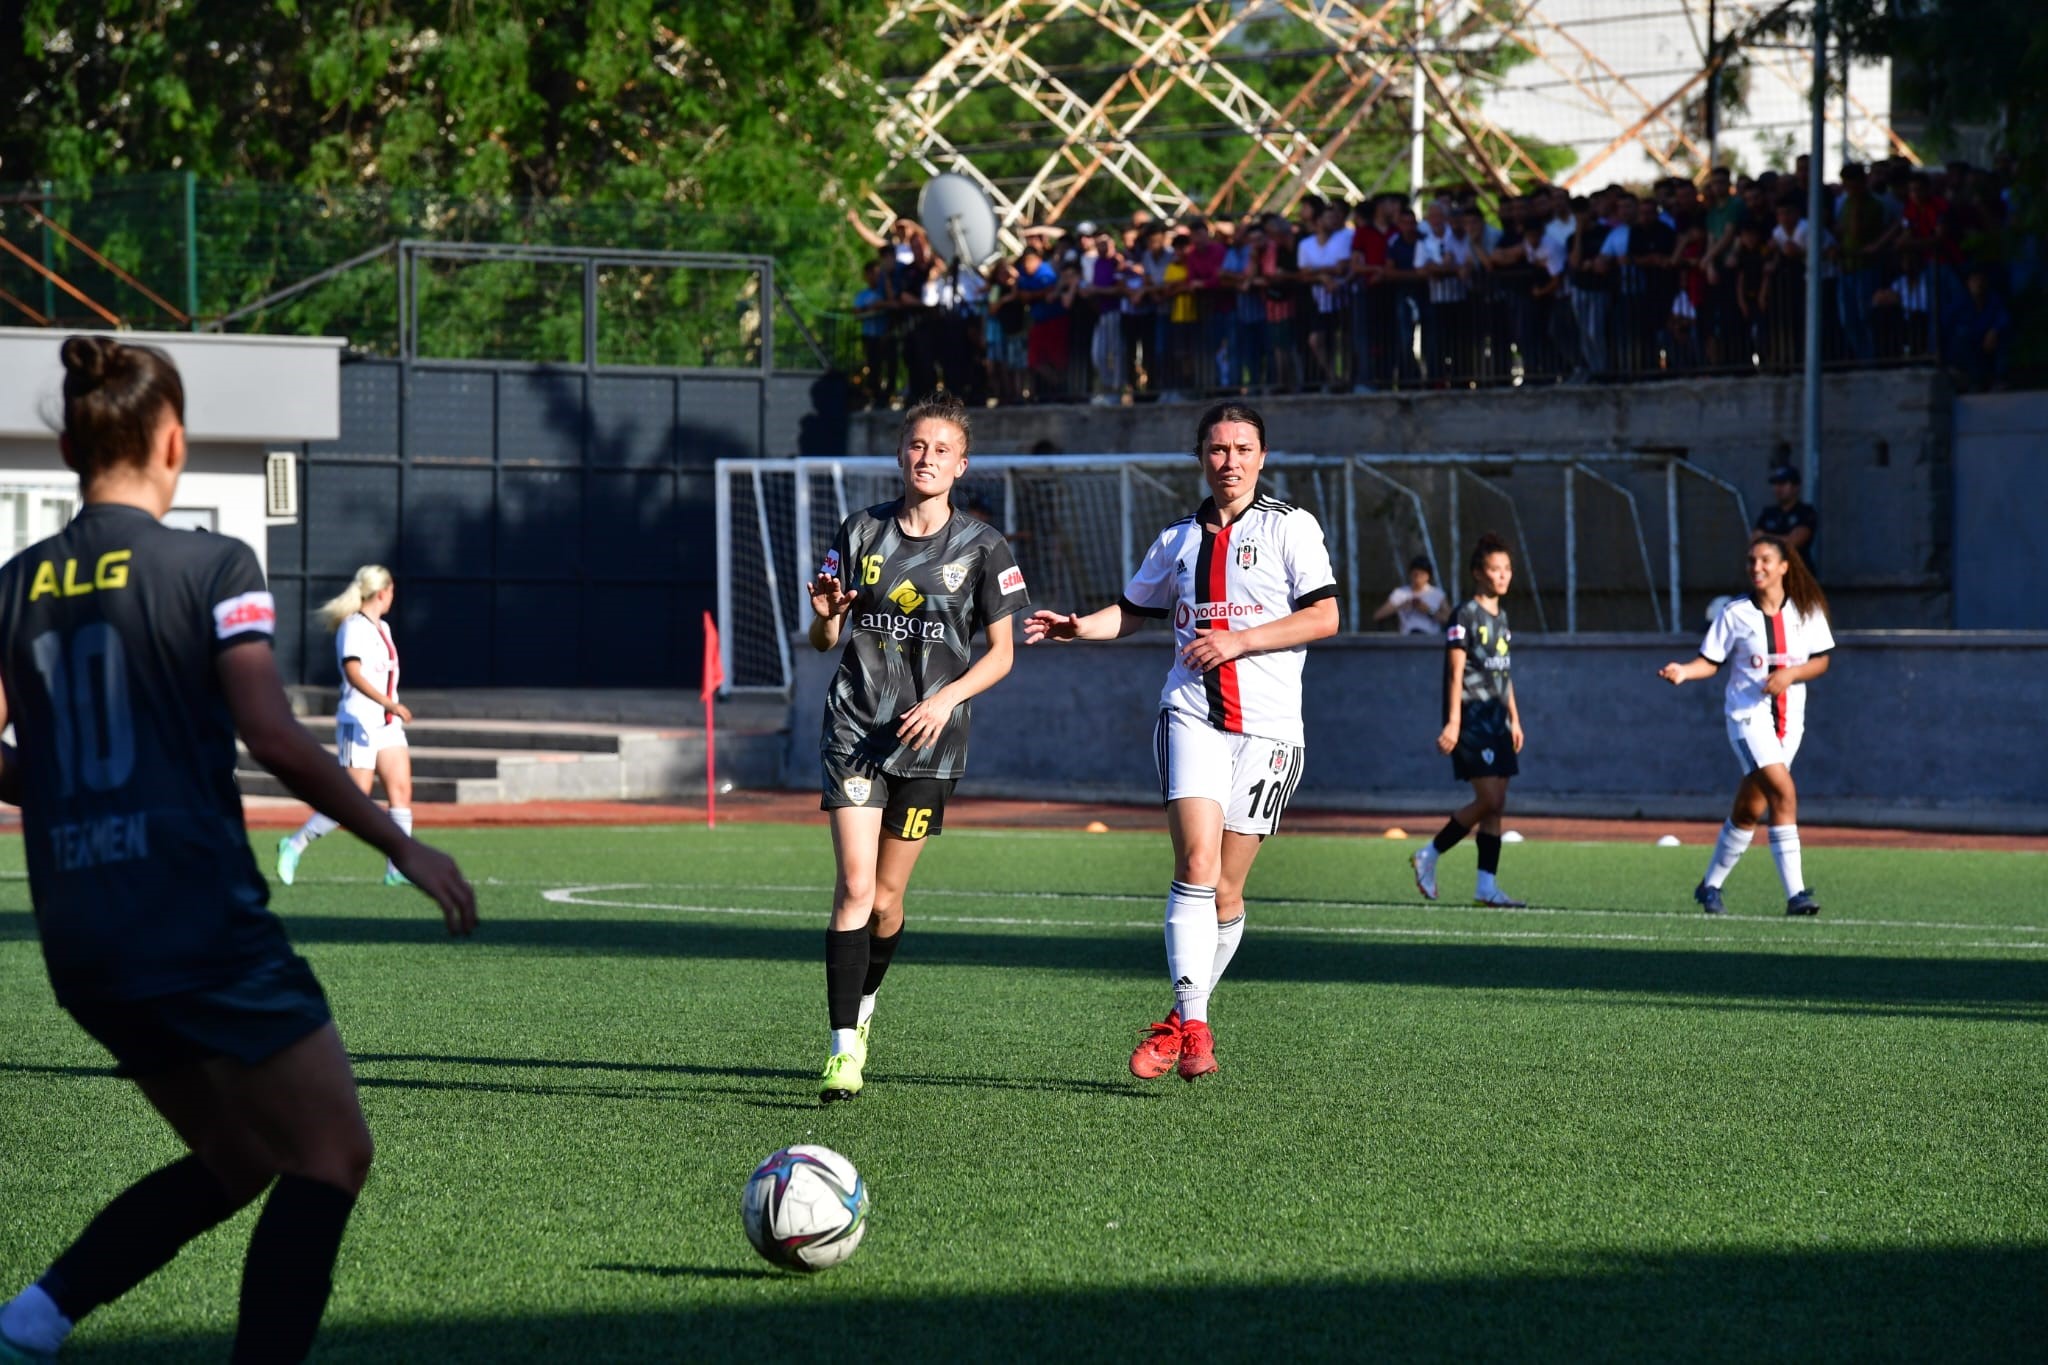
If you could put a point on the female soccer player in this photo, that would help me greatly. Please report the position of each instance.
(1777, 640)
(370, 721)
(908, 584)
(1482, 726)
(1248, 583)
(132, 655)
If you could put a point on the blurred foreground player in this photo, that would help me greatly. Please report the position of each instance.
(132, 655)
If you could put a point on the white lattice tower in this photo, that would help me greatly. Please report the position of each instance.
(989, 46)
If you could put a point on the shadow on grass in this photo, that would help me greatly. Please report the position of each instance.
(1904, 1305)
(689, 1272)
(2007, 989)
(690, 1077)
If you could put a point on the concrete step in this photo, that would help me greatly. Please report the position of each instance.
(499, 762)
(425, 790)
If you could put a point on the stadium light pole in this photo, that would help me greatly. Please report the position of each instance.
(1415, 108)
(1816, 161)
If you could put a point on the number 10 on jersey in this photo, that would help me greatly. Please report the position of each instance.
(85, 683)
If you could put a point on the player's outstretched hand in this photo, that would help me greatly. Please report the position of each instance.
(828, 599)
(1041, 626)
(1672, 673)
(437, 876)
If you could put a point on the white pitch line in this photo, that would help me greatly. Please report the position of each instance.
(1262, 902)
(580, 896)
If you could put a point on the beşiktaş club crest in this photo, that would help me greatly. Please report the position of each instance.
(953, 575)
(1247, 555)
(1279, 759)
(857, 790)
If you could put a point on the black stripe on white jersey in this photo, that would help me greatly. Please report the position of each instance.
(1205, 563)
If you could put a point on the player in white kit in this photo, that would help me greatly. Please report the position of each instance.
(1247, 582)
(1776, 640)
(370, 721)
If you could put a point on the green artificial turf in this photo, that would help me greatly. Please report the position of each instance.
(1603, 1128)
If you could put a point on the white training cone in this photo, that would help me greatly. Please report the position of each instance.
(1668, 841)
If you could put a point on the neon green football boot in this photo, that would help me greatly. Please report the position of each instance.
(841, 1080)
(860, 1043)
(287, 860)
(393, 877)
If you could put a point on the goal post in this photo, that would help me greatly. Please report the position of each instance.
(1079, 525)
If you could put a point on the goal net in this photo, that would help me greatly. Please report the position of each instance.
(1587, 555)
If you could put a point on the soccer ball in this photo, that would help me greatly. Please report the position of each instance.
(1716, 607)
(805, 1208)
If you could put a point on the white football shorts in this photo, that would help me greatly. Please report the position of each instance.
(358, 744)
(1250, 776)
(1755, 741)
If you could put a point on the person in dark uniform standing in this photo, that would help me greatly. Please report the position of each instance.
(132, 655)
(1482, 726)
(907, 585)
(1792, 521)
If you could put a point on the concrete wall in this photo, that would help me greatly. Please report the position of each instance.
(2001, 510)
(1905, 728)
(1882, 493)
(244, 395)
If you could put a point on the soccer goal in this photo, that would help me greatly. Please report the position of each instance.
(1079, 525)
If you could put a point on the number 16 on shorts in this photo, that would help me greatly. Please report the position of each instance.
(1250, 776)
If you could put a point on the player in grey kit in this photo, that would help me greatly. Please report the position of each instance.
(132, 655)
(1482, 726)
(907, 585)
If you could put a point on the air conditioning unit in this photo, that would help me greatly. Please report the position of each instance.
(281, 485)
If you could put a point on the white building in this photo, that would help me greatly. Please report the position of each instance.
(245, 396)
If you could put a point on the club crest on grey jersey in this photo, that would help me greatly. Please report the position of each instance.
(919, 604)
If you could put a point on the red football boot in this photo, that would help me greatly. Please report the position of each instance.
(1159, 1051)
(1197, 1050)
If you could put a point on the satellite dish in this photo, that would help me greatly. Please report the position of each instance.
(958, 219)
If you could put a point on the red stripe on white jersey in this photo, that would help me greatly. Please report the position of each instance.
(1781, 704)
(1218, 590)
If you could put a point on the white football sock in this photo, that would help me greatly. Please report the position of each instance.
(867, 1009)
(31, 1321)
(315, 826)
(843, 1040)
(1191, 948)
(1785, 852)
(1728, 850)
(401, 816)
(1229, 934)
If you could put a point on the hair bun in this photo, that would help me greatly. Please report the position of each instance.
(88, 358)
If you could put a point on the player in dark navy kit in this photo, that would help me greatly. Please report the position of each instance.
(1482, 726)
(907, 585)
(132, 655)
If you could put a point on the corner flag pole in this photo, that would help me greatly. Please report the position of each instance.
(714, 678)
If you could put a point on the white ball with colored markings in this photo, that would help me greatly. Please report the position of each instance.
(805, 1208)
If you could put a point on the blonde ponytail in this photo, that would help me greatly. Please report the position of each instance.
(370, 580)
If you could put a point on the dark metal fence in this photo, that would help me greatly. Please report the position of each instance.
(1494, 327)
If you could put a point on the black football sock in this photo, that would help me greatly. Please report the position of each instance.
(881, 952)
(137, 1235)
(1489, 853)
(846, 967)
(290, 1270)
(1447, 837)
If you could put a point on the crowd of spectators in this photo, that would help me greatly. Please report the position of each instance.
(1917, 264)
